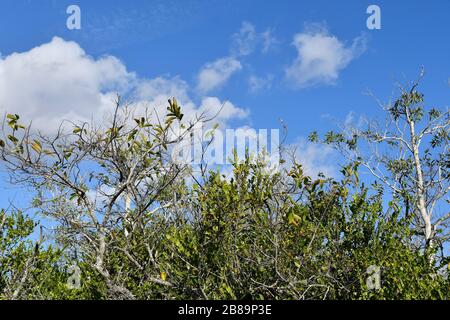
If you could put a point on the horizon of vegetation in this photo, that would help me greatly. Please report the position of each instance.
(160, 230)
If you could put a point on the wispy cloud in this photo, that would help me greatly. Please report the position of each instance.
(256, 84)
(268, 40)
(247, 40)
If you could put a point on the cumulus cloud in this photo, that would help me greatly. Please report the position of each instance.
(215, 74)
(212, 106)
(58, 81)
(320, 57)
(154, 93)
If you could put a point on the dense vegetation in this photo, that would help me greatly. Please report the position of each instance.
(158, 230)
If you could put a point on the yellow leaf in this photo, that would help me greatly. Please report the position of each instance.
(163, 276)
(293, 219)
(36, 146)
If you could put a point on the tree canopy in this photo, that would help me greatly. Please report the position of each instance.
(131, 223)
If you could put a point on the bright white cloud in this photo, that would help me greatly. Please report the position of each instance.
(59, 81)
(320, 57)
(154, 94)
(215, 74)
(212, 106)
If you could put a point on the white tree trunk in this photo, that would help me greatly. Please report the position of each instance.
(420, 190)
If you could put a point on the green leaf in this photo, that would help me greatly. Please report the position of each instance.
(13, 139)
(293, 219)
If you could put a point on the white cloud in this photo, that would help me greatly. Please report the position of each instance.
(321, 57)
(315, 158)
(100, 195)
(215, 74)
(245, 40)
(154, 94)
(352, 121)
(56, 81)
(212, 106)
(269, 40)
(161, 87)
(59, 81)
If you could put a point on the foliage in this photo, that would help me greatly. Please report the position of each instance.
(155, 230)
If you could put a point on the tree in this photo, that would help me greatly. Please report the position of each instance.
(93, 179)
(28, 269)
(140, 225)
(410, 155)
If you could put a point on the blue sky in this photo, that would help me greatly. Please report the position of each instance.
(245, 50)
